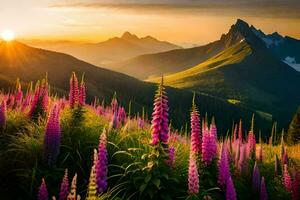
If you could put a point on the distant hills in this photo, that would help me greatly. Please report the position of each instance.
(251, 68)
(18, 60)
(112, 50)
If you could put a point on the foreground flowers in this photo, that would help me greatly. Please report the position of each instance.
(160, 121)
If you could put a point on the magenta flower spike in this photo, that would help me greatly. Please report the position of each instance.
(73, 94)
(52, 136)
(64, 187)
(43, 193)
(287, 181)
(160, 115)
(45, 96)
(193, 176)
(35, 100)
(196, 143)
(256, 178)
(251, 145)
(223, 168)
(3, 111)
(230, 190)
(234, 133)
(242, 165)
(206, 150)
(263, 191)
(114, 103)
(213, 140)
(82, 92)
(102, 164)
(122, 115)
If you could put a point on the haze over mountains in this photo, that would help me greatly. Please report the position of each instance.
(110, 51)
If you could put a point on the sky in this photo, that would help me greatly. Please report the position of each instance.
(184, 22)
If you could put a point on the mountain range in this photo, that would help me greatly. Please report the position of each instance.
(18, 60)
(246, 66)
(110, 51)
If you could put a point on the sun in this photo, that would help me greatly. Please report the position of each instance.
(8, 35)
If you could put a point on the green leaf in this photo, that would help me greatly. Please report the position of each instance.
(156, 182)
(148, 178)
(142, 187)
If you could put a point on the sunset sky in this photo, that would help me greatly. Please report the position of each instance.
(178, 21)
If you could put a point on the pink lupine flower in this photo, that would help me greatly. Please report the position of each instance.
(171, 159)
(101, 165)
(64, 187)
(230, 190)
(114, 120)
(209, 145)
(114, 103)
(141, 123)
(3, 114)
(255, 178)
(193, 176)
(160, 115)
(263, 191)
(287, 181)
(251, 145)
(223, 168)
(213, 139)
(43, 193)
(73, 94)
(82, 92)
(52, 136)
(196, 142)
(122, 115)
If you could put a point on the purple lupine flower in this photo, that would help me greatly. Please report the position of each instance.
(196, 143)
(223, 168)
(193, 176)
(73, 94)
(141, 123)
(160, 121)
(230, 190)
(114, 120)
(287, 181)
(251, 144)
(52, 136)
(242, 165)
(3, 114)
(208, 146)
(43, 193)
(101, 165)
(82, 92)
(171, 159)
(263, 191)
(64, 187)
(255, 178)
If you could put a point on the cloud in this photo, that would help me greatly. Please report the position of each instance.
(259, 8)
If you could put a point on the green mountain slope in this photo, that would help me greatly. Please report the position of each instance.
(246, 72)
(31, 64)
(151, 65)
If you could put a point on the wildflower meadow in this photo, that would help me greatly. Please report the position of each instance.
(54, 147)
